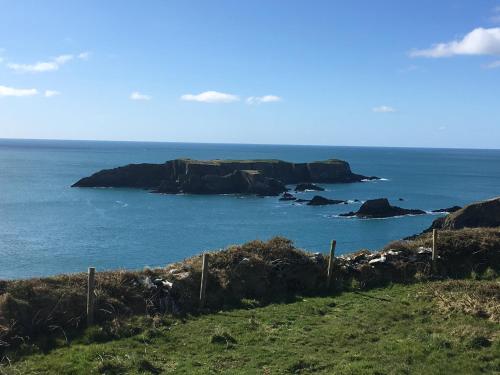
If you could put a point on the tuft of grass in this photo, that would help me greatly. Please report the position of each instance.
(477, 342)
(145, 366)
(222, 336)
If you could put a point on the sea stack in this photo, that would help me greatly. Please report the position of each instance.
(381, 208)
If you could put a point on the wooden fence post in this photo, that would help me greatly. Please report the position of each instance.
(90, 296)
(204, 278)
(330, 263)
(434, 248)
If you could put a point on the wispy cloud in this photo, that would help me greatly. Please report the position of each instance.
(210, 97)
(84, 55)
(46, 66)
(493, 65)
(409, 69)
(496, 14)
(479, 41)
(51, 93)
(11, 91)
(263, 99)
(136, 95)
(384, 109)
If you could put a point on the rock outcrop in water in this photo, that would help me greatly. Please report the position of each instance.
(448, 210)
(287, 197)
(308, 186)
(260, 177)
(381, 208)
(318, 200)
(485, 214)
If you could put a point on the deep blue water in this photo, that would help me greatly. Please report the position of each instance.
(46, 227)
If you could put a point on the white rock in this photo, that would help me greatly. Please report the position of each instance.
(167, 284)
(423, 250)
(147, 283)
(182, 275)
(382, 259)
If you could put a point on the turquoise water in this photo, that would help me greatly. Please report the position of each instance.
(46, 227)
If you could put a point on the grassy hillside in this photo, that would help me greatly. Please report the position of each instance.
(434, 327)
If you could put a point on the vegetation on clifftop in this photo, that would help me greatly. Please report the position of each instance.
(53, 308)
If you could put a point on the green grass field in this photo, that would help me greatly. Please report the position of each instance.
(427, 328)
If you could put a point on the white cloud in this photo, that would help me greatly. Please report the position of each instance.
(34, 68)
(138, 96)
(493, 65)
(47, 66)
(84, 56)
(479, 41)
(263, 99)
(11, 91)
(51, 93)
(211, 97)
(384, 109)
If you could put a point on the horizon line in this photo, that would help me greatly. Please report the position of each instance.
(242, 143)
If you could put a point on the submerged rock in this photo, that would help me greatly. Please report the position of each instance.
(260, 177)
(287, 197)
(448, 210)
(300, 200)
(381, 208)
(308, 186)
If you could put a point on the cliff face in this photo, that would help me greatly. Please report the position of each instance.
(262, 177)
(476, 215)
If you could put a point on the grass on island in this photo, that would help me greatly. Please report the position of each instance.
(449, 327)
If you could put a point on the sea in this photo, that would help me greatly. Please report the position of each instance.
(48, 228)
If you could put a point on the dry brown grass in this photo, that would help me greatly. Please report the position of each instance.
(480, 299)
(461, 251)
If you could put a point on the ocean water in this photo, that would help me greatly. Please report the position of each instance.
(47, 227)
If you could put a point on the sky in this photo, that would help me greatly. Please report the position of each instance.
(367, 73)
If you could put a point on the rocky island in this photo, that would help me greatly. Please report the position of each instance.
(381, 208)
(259, 177)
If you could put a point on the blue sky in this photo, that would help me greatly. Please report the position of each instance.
(378, 73)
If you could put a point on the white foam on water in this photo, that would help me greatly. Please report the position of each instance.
(436, 213)
(379, 179)
(122, 204)
(352, 201)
